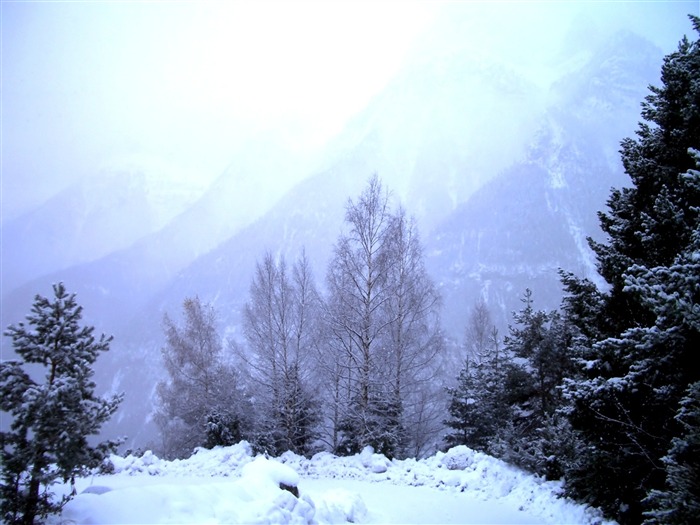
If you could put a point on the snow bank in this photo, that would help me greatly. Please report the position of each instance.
(219, 461)
(230, 485)
(148, 489)
(460, 469)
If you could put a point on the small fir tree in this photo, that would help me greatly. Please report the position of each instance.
(477, 406)
(51, 419)
(222, 429)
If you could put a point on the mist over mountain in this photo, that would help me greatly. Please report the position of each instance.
(129, 200)
(503, 167)
(521, 228)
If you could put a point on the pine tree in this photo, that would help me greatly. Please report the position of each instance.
(636, 340)
(51, 420)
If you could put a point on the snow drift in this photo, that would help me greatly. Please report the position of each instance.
(232, 485)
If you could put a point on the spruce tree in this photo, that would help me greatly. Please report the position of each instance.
(479, 407)
(536, 436)
(679, 502)
(636, 340)
(51, 419)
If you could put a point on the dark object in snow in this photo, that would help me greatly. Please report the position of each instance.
(290, 488)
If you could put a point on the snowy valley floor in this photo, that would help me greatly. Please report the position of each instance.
(230, 485)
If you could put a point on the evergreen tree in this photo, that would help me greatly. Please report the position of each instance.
(222, 429)
(478, 405)
(376, 424)
(535, 437)
(679, 502)
(477, 402)
(542, 340)
(51, 420)
(636, 340)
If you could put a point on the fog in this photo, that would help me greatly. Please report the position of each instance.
(254, 122)
(94, 84)
(89, 84)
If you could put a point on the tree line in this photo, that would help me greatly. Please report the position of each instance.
(339, 371)
(603, 393)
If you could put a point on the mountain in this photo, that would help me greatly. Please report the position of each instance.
(113, 284)
(516, 225)
(503, 172)
(126, 201)
(518, 230)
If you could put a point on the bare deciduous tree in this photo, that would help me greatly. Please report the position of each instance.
(281, 328)
(479, 333)
(382, 314)
(201, 387)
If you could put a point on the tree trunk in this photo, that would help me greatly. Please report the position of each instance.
(32, 502)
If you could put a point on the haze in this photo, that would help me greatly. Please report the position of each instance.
(184, 84)
(153, 151)
(86, 84)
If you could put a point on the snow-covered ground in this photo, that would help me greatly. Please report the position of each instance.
(231, 485)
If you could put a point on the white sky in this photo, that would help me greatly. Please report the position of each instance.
(84, 83)
(86, 80)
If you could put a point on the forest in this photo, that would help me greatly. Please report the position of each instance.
(602, 393)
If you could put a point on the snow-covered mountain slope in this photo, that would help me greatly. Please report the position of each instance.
(495, 235)
(519, 229)
(127, 200)
(504, 175)
(449, 122)
(441, 128)
(120, 269)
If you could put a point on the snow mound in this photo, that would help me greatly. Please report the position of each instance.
(219, 461)
(458, 458)
(377, 463)
(460, 469)
(261, 474)
(231, 485)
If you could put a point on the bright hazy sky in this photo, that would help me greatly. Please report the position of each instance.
(84, 83)
(164, 78)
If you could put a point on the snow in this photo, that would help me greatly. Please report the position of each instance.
(232, 485)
